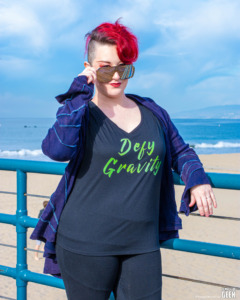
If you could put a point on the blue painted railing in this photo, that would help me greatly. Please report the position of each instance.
(22, 221)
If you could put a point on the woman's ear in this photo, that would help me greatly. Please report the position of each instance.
(86, 64)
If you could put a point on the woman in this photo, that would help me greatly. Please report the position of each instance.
(115, 203)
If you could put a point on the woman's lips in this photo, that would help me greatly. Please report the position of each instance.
(116, 84)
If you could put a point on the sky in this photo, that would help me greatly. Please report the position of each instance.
(189, 51)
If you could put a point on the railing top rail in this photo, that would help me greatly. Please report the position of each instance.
(218, 180)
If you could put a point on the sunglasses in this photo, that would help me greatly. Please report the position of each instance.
(105, 74)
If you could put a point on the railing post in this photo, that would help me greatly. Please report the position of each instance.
(21, 235)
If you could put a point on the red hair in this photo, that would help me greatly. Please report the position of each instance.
(116, 34)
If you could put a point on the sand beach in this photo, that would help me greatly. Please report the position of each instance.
(177, 263)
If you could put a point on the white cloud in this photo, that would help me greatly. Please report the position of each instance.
(215, 90)
(40, 23)
(201, 28)
(21, 22)
(34, 25)
(205, 21)
(136, 14)
(143, 80)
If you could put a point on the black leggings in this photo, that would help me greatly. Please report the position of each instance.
(135, 276)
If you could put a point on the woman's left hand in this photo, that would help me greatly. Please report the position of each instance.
(204, 196)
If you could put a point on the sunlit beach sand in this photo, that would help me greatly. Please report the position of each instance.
(184, 264)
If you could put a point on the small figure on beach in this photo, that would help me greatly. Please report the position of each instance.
(38, 243)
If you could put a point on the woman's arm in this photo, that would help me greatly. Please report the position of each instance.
(64, 136)
(187, 164)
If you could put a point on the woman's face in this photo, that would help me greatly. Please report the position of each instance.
(106, 55)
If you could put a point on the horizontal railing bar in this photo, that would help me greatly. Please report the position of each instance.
(211, 216)
(219, 251)
(180, 213)
(218, 180)
(32, 166)
(226, 251)
(7, 298)
(33, 250)
(202, 281)
(32, 222)
(27, 221)
(211, 249)
(37, 196)
(8, 219)
(7, 245)
(5, 192)
(26, 249)
(25, 194)
(30, 276)
(5, 217)
(8, 271)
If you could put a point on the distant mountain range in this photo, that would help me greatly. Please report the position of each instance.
(211, 112)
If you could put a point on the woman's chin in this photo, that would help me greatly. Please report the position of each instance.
(113, 92)
(110, 91)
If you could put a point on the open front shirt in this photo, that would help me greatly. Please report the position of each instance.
(65, 142)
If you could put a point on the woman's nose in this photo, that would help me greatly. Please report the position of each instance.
(116, 76)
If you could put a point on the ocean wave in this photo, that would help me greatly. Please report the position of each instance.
(38, 152)
(218, 145)
(21, 152)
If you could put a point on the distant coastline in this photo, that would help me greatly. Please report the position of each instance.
(211, 112)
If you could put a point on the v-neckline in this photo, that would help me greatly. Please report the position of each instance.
(125, 132)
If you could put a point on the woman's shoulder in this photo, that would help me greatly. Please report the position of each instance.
(151, 103)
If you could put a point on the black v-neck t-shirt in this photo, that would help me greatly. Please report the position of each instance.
(113, 207)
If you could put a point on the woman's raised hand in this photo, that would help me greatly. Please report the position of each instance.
(90, 72)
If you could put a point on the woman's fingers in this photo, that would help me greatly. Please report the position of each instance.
(213, 198)
(90, 72)
(205, 199)
(90, 78)
(207, 202)
(200, 205)
(210, 199)
(207, 205)
(203, 207)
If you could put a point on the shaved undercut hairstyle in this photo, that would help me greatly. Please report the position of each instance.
(113, 34)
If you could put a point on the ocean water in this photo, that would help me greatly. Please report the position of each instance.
(21, 138)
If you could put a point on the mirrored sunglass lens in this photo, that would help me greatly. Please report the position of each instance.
(128, 72)
(121, 70)
(105, 74)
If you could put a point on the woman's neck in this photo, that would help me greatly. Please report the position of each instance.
(110, 102)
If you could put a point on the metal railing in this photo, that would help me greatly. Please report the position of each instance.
(22, 221)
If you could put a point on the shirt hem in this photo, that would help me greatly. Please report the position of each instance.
(108, 253)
